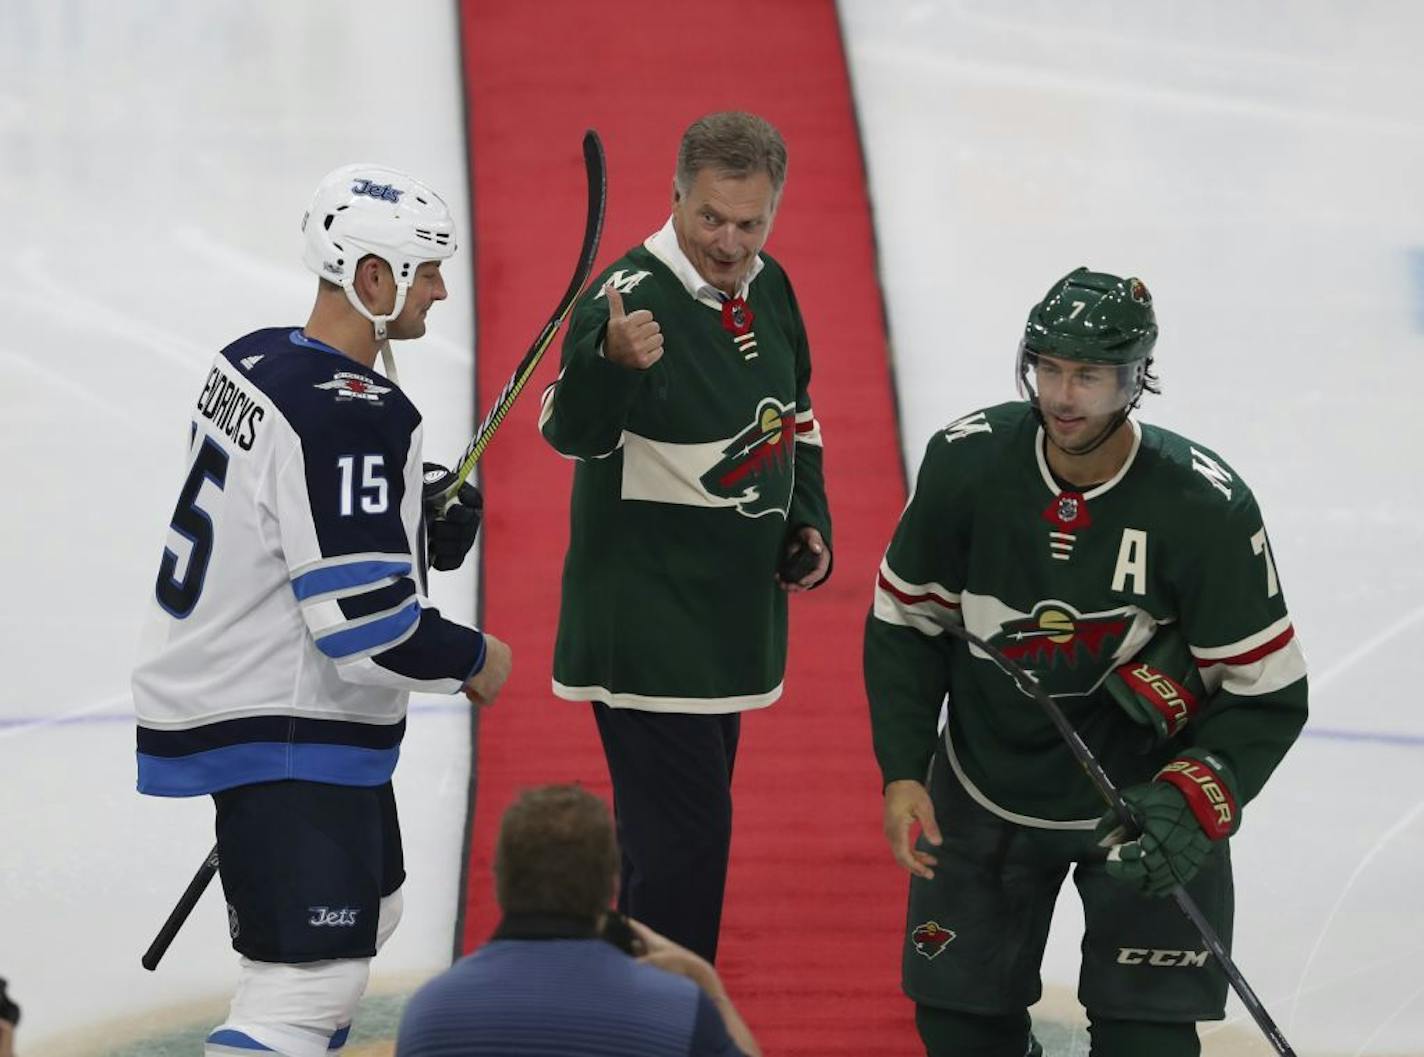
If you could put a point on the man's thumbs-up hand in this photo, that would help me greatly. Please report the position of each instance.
(634, 339)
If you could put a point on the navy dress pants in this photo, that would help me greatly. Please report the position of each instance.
(672, 801)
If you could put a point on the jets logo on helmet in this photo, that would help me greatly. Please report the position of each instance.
(375, 190)
(369, 210)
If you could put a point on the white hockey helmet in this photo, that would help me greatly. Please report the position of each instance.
(364, 209)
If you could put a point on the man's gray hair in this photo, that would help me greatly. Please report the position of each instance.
(731, 143)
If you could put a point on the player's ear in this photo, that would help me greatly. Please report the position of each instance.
(373, 284)
(369, 271)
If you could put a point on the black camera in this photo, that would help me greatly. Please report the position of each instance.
(618, 932)
(8, 1010)
(798, 564)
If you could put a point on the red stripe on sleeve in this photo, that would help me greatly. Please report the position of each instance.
(1252, 656)
(910, 599)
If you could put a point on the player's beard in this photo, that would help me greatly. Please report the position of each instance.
(1114, 423)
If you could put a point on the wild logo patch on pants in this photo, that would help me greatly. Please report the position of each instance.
(930, 939)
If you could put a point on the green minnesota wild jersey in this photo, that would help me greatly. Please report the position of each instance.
(1071, 584)
(690, 475)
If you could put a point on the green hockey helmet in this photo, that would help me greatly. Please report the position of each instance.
(1105, 324)
(1093, 317)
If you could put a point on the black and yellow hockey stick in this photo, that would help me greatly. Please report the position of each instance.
(597, 172)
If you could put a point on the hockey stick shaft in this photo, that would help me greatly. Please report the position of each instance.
(186, 902)
(596, 169)
(1110, 794)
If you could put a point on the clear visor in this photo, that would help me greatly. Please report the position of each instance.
(1072, 389)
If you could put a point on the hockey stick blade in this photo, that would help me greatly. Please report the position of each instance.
(186, 902)
(1110, 794)
(596, 169)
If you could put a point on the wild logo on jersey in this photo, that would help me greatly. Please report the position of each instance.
(930, 939)
(756, 466)
(1067, 651)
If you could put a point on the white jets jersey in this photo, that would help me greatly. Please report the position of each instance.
(288, 622)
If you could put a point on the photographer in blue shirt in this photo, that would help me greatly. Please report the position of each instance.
(563, 975)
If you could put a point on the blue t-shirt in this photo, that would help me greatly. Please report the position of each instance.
(560, 998)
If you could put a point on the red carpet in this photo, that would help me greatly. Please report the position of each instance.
(811, 935)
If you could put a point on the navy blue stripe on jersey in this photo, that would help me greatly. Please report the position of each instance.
(296, 729)
(265, 749)
(365, 604)
(344, 577)
(372, 635)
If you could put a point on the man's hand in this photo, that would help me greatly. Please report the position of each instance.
(808, 552)
(635, 340)
(674, 958)
(451, 532)
(482, 687)
(907, 802)
(671, 957)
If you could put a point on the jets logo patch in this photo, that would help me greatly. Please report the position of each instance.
(930, 939)
(755, 468)
(348, 386)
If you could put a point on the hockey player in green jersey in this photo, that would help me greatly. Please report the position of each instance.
(684, 395)
(1128, 569)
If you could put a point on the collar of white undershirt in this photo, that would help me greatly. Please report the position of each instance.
(662, 244)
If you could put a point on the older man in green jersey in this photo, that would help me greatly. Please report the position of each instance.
(1128, 569)
(698, 507)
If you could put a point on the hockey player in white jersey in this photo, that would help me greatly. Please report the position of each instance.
(289, 621)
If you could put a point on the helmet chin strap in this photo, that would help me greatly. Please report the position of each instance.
(1112, 427)
(378, 324)
(1114, 424)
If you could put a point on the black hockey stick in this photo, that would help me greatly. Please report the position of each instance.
(186, 902)
(1109, 793)
(596, 169)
